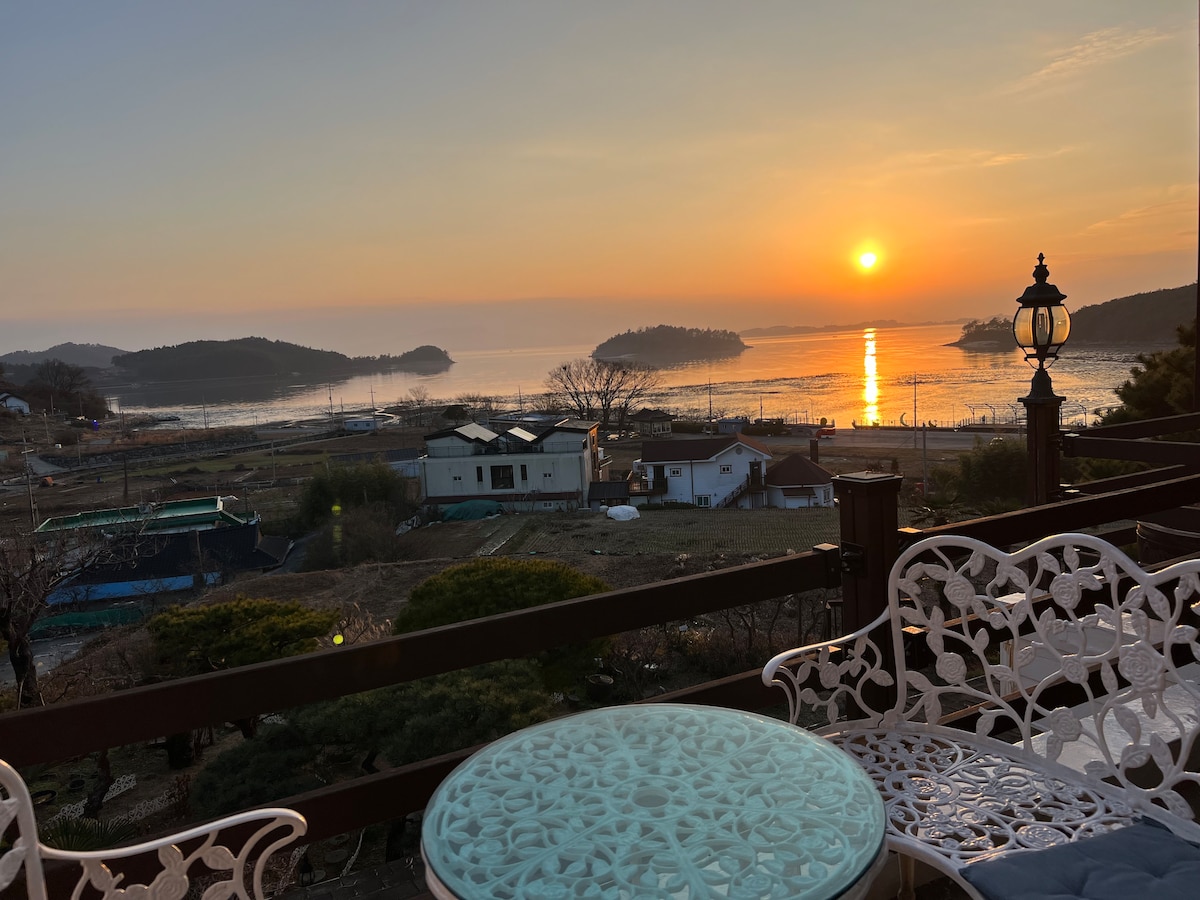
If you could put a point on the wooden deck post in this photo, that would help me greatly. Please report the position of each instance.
(870, 544)
(867, 504)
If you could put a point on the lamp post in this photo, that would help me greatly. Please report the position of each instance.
(1040, 327)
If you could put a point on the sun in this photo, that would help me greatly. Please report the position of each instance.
(867, 260)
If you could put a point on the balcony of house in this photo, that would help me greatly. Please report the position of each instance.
(645, 486)
(850, 578)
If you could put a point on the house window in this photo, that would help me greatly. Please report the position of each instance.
(547, 504)
(479, 474)
(502, 478)
(726, 470)
(524, 472)
(547, 474)
(458, 478)
(704, 501)
(676, 472)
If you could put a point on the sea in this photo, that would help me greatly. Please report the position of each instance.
(889, 376)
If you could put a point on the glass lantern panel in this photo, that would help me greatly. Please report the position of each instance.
(1062, 324)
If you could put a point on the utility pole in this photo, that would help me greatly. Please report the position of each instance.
(33, 514)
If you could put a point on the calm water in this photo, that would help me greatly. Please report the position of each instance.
(849, 376)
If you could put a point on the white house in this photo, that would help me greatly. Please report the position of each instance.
(14, 403)
(535, 469)
(709, 472)
(796, 482)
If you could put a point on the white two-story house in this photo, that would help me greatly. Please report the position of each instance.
(710, 472)
(531, 468)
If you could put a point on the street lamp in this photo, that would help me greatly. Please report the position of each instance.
(1040, 327)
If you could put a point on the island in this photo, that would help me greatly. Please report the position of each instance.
(259, 357)
(994, 335)
(666, 344)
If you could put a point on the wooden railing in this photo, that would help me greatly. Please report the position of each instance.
(74, 728)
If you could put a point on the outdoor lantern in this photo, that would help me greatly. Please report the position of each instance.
(1042, 324)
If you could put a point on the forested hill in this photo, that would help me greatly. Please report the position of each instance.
(1148, 318)
(665, 343)
(1151, 317)
(253, 356)
(87, 356)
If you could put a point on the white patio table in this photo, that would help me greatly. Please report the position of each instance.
(655, 801)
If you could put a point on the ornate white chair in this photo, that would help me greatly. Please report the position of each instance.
(171, 883)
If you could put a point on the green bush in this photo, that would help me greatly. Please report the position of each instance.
(195, 639)
(342, 488)
(487, 587)
(997, 470)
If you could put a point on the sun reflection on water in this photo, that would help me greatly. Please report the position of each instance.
(870, 392)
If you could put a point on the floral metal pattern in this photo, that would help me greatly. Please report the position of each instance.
(1000, 630)
(233, 870)
(660, 800)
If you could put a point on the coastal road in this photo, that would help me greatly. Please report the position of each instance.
(901, 439)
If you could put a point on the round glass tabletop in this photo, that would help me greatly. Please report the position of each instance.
(654, 801)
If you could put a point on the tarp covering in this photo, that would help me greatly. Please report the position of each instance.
(471, 509)
(623, 513)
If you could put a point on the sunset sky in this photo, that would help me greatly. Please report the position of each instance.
(366, 176)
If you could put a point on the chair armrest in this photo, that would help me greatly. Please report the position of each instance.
(845, 666)
(176, 862)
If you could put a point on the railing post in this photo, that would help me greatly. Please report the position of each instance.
(867, 503)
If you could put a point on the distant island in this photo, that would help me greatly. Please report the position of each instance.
(259, 357)
(666, 344)
(994, 335)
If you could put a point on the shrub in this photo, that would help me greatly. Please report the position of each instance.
(195, 639)
(487, 587)
(87, 834)
(373, 484)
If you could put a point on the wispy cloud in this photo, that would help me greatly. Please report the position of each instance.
(954, 159)
(1094, 49)
(1137, 217)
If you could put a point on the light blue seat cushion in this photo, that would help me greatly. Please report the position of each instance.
(1143, 860)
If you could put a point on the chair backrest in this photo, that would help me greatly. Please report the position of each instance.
(240, 872)
(1001, 633)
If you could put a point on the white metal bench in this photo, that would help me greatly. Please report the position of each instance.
(997, 632)
(26, 852)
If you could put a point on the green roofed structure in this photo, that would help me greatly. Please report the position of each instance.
(155, 548)
(172, 516)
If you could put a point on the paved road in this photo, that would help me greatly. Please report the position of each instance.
(885, 439)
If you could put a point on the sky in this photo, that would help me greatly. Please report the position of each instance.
(369, 176)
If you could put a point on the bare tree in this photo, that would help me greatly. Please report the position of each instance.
(481, 406)
(61, 377)
(33, 568)
(596, 388)
(30, 570)
(419, 398)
